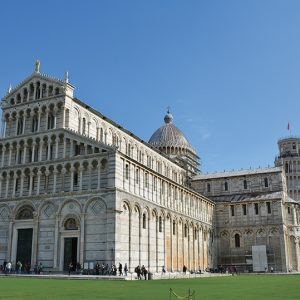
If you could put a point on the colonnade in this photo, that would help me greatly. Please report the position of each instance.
(78, 175)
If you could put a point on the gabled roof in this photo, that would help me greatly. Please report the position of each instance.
(36, 75)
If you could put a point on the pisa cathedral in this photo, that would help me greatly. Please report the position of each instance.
(76, 186)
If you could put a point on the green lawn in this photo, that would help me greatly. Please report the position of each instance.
(234, 287)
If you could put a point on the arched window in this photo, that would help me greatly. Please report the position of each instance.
(101, 134)
(34, 126)
(75, 179)
(51, 121)
(70, 224)
(208, 187)
(20, 126)
(83, 125)
(245, 184)
(174, 228)
(67, 118)
(185, 230)
(144, 221)
(44, 88)
(50, 90)
(226, 186)
(266, 182)
(160, 224)
(38, 91)
(25, 95)
(286, 167)
(103, 164)
(31, 91)
(56, 91)
(127, 171)
(237, 240)
(19, 98)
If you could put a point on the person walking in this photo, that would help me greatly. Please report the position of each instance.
(125, 269)
(120, 269)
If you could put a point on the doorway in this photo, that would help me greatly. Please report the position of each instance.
(24, 246)
(70, 252)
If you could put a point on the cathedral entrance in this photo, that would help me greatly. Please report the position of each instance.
(24, 246)
(70, 252)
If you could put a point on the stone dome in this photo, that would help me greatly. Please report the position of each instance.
(169, 136)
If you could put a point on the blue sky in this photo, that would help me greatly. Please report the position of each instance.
(230, 70)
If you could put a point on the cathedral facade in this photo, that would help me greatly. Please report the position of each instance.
(77, 187)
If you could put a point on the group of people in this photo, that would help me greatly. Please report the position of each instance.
(141, 272)
(104, 269)
(7, 268)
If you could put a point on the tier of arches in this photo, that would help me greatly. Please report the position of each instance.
(27, 209)
(83, 175)
(57, 219)
(34, 90)
(43, 147)
(39, 117)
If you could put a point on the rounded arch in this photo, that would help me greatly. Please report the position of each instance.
(47, 209)
(26, 203)
(237, 240)
(224, 234)
(137, 208)
(125, 204)
(70, 220)
(95, 205)
(76, 111)
(154, 213)
(25, 213)
(146, 210)
(169, 216)
(70, 201)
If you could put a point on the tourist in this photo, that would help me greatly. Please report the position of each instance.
(125, 269)
(163, 270)
(145, 272)
(120, 269)
(184, 269)
(4, 266)
(97, 268)
(138, 272)
(8, 267)
(19, 267)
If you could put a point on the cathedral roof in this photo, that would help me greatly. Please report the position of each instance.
(250, 197)
(169, 135)
(238, 173)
